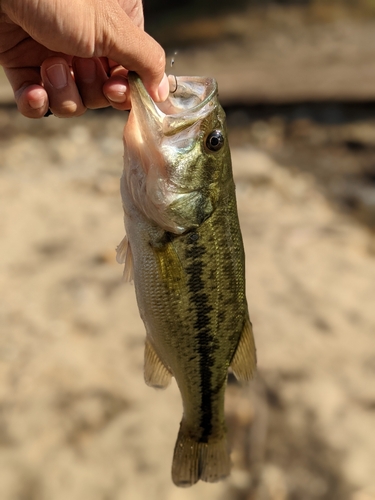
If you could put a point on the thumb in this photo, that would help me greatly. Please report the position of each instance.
(131, 47)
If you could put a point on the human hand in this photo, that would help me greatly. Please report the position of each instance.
(70, 56)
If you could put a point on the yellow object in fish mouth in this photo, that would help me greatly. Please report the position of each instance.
(185, 253)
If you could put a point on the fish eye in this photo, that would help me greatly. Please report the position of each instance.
(215, 140)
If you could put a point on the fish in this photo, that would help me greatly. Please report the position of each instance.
(183, 248)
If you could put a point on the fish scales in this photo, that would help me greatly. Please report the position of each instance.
(187, 260)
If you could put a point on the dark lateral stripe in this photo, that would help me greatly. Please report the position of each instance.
(204, 337)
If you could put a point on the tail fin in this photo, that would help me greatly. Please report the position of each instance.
(194, 460)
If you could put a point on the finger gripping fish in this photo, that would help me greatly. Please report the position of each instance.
(185, 253)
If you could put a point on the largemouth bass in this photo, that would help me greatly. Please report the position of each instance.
(185, 253)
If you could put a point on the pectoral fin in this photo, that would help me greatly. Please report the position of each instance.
(169, 265)
(155, 372)
(124, 256)
(244, 360)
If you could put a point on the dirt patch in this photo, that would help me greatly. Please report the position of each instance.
(76, 419)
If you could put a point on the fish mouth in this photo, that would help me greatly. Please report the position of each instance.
(190, 100)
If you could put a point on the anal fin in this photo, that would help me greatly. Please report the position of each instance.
(155, 372)
(124, 256)
(244, 360)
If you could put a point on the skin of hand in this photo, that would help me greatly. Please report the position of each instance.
(72, 55)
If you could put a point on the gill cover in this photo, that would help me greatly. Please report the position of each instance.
(163, 145)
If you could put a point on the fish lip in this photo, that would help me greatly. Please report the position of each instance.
(142, 104)
(174, 122)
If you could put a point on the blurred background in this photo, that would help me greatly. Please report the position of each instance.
(297, 81)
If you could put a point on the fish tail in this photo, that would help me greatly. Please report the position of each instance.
(194, 460)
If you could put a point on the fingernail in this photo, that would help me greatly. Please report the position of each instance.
(36, 103)
(87, 70)
(163, 90)
(57, 76)
(118, 93)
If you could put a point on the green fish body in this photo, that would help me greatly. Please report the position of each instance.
(185, 253)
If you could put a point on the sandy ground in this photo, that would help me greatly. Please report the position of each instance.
(76, 419)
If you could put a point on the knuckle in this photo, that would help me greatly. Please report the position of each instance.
(161, 59)
(157, 62)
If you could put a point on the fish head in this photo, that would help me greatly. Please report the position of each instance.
(178, 150)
